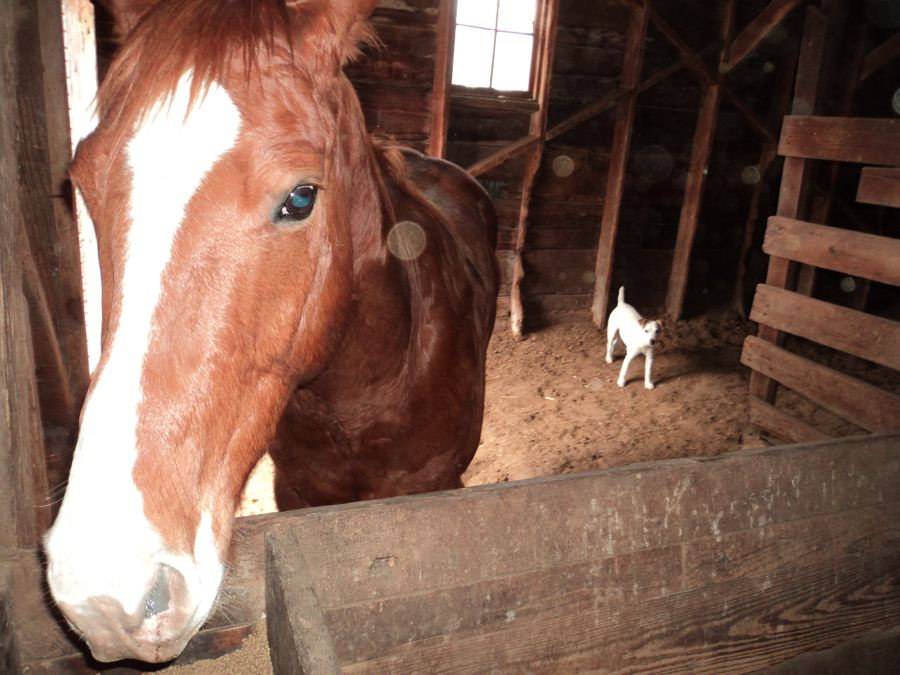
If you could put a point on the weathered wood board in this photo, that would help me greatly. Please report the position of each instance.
(728, 564)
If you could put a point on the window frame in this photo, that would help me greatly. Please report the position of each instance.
(527, 98)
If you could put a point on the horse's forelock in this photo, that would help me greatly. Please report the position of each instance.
(205, 38)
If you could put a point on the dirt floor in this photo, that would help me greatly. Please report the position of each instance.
(553, 406)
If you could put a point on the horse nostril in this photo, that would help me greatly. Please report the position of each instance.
(159, 596)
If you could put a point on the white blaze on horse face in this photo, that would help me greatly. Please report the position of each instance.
(101, 543)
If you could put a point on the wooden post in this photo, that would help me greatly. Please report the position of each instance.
(23, 489)
(537, 128)
(780, 107)
(795, 176)
(443, 65)
(618, 161)
(696, 180)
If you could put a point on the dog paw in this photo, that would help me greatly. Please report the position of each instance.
(621, 383)
(609, 359)
(649, 385)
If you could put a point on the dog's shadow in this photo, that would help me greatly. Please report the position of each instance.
(680, 362)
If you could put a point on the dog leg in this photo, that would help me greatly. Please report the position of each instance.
(611, 337)
(629, 357)
(648, 365)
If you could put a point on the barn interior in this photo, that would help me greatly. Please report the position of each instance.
(734, 164)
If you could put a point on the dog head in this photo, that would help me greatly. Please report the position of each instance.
(651, 330)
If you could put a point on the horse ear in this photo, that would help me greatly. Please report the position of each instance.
(348, 21)
(126, 13)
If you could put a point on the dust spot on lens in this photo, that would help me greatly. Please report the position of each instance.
(406, 240)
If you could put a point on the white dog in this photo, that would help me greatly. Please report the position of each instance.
(638, 334)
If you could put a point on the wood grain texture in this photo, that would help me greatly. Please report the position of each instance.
(730, 564)
(879, 186)
(864, 335)
(784, 550)
(295, 619)
(782, 424)
(841, 139)
(863, 404)
(23, 486)
(855, 253)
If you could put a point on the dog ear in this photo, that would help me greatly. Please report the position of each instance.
(642, 322)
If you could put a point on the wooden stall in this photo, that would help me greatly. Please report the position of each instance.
(729, 564)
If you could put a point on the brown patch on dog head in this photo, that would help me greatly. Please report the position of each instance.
(642, 322)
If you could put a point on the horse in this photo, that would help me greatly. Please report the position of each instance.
(272, 281)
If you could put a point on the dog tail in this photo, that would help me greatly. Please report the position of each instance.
(621, 294)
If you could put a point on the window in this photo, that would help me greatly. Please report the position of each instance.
(494, 44)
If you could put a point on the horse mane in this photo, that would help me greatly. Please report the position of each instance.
(207, 37)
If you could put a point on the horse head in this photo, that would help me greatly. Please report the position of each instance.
(230, 184)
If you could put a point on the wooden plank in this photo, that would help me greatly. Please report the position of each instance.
(618, 162)
(872, 652)
(783, 425)
(847, 330)
(855, 253)
(863, 404)
(23, 482)
(589, 111)
(841, 139)
(295, 622)
(722, 565)
(879, 186)
(756, 31)
(883, 54)
(632, 511)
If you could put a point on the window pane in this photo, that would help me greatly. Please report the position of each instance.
(472, 57)
(512, 62)
(477, 12)
(517, 15)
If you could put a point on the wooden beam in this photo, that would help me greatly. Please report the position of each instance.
(443, 66)
(883, 54)
(795, 176)
(618, 163)
(781, 424)
(704, 135)
(879, 186)
(833, 248)
(589, 111)
(537, 127)
(756, 31)
(859, 402)
(516, 309)
(847, 330)
(842, 139)
(609, 99)
(780, 105)
(497, 157)
(704, 73)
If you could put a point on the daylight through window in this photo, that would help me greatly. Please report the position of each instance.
(493, 45)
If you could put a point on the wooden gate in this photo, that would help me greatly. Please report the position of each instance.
(779, 309)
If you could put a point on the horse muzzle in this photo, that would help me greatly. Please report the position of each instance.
(157, 631)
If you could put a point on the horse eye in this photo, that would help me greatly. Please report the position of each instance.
(298, 204)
